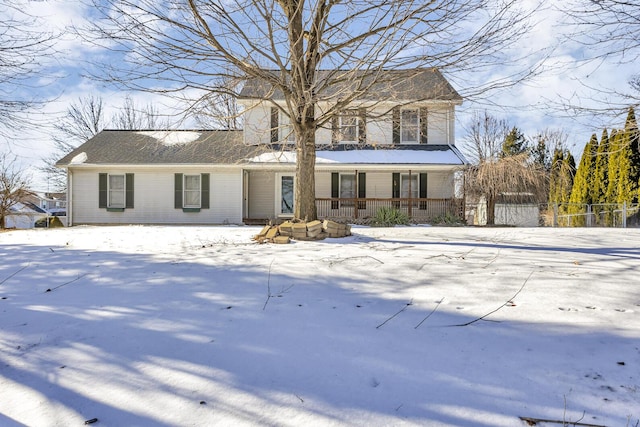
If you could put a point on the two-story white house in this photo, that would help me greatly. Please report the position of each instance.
(397, 150)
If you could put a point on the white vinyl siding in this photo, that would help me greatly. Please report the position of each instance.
(155, 198)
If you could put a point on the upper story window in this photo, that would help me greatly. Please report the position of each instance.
(286, 133)
(409, 126)
(349, 126)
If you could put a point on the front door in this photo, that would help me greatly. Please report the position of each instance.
(284, 193)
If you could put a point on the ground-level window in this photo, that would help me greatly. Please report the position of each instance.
(191, 191)
(116, 191)
(409, 186)
(347, 188)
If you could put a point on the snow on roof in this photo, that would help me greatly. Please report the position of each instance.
(78, 159)
(168, 137)
(443, 157)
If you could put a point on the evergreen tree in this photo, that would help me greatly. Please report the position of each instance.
(514, 143)
(601, 173)
(633, 140)
(540, 154)
(581, 191)
(554, 177)
(600, 177)
(613, 173)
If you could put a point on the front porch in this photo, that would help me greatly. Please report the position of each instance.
(363, 210)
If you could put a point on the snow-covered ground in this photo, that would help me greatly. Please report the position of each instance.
(199, 326)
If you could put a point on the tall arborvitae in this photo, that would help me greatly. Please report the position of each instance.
(600, 178)
(554, 177)
(633, 139)
(581, 191)
(601, 173)
(613, 172)
(565, 168)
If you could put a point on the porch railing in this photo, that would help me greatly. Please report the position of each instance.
(363, 211)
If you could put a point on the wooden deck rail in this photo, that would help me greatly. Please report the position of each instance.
(362, 211)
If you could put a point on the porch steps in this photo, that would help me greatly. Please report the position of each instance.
(300, 230)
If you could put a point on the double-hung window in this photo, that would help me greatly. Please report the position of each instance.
(116, 191)
(286, 130)
(191, 191)
(409, 186)
(349, 126)
(409, 126)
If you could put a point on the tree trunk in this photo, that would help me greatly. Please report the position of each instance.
(491, 210)
(305, 184)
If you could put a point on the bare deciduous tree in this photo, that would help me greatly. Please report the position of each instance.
(195, 46)
(609, 30)
(14, 186)
(485, 135)
(132, 117)
(83, 119)
(23, 45)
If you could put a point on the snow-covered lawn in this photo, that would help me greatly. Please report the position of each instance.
(199, 326)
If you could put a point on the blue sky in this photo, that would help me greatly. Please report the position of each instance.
(532, 106)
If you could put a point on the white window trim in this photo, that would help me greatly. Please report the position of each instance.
(351, 114)
(286, 133)
(355, 190)
(185, 191)
(110, 204)
(278, 201)
(402, 126)
(414, 189)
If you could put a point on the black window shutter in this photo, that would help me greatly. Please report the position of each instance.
(362, 190)
(423, 126)
(178, 191)
(335, 189)
(395, 188)
(204, 189)
(102, 190)
(362, 126)
(423, 190)
(274, 124)
(395, 118)
(128, 191)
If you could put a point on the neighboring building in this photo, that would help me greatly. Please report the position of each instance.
(24, 215)
(397, 151)
(54, 203)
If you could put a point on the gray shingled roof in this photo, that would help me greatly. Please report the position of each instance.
(396, 85)
(162, 147)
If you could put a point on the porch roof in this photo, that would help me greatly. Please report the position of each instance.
(427, 155)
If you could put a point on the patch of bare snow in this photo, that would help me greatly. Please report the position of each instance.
(171, 137)
(80, 158)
